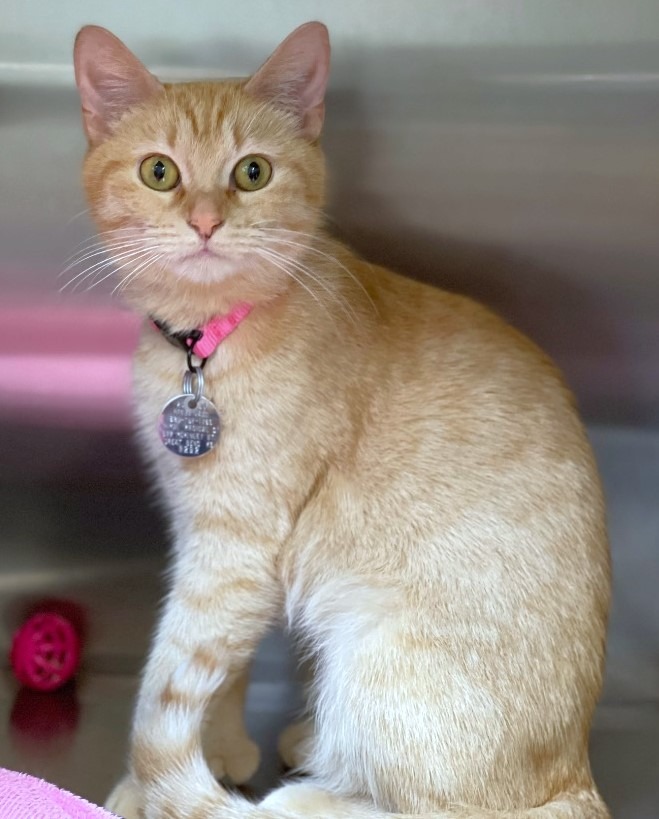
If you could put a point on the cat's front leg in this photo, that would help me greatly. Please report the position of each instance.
(228, 749)
(223, 598)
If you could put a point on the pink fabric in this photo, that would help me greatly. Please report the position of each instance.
(25, 797)
(219, 328)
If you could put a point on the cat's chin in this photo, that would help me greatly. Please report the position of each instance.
(205, 269)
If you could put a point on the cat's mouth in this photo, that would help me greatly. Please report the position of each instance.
(204, 263)
(204, 252)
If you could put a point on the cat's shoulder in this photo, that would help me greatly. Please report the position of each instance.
(426, 322)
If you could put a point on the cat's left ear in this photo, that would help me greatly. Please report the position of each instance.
(294, 78)
(111, 80)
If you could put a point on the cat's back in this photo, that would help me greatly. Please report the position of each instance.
(444, 350)
(463, 406)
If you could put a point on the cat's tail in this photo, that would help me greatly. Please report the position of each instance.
(303, 801)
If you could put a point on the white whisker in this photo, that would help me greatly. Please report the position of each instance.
(329, 257)
(112, 260)
(77, 216)
(115, 270)
(151, 260)
(103, 249)
(112, 232)
(345, 306)
(105, 237)
(311, 249)
(265, 255)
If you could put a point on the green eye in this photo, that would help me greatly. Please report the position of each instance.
(159, 172)
(252, 173)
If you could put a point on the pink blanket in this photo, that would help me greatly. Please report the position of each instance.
(24, 797)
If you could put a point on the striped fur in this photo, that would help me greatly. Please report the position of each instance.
(401, 476)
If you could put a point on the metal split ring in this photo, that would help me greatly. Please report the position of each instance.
(193, 383)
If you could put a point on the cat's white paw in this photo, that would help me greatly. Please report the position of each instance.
(239, 762)
(125, 800)
(294, 744)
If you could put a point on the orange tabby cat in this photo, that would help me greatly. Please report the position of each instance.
(399, 473)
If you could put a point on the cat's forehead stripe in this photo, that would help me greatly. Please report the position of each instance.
(171, 134)
(193, 121)
(201, 123)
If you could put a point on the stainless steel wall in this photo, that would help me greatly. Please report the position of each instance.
(505, 149)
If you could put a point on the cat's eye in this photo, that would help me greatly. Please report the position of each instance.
(252, 173)
(159, 172)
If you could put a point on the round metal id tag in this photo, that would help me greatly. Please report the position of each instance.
(189, 424)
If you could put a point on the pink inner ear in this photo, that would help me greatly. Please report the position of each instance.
(295, 77)
(111, 80)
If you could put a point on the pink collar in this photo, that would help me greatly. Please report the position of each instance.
(203, 341)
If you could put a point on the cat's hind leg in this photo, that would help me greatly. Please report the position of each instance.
(294, 744)
(126, 799)
(228, 749)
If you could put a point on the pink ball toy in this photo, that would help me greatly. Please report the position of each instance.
(45, 651)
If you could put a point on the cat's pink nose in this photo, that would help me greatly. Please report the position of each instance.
(205, 223)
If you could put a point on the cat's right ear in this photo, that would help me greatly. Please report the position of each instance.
(110, 79)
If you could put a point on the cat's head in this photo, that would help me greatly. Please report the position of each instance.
(204, 190)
